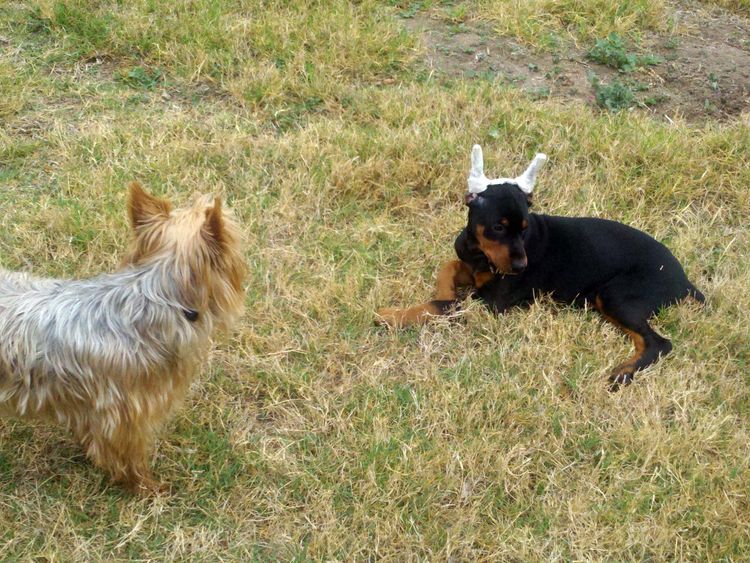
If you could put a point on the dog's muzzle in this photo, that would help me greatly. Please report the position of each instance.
(518, 265)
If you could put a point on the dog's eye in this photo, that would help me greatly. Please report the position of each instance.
(498, 228)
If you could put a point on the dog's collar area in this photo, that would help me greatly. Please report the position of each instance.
(190, 315)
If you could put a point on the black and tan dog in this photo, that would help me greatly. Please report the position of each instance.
(509, 256)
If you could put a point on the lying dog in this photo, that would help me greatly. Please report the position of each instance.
(509, 256)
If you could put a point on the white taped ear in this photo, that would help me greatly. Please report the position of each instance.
(527, 180)
(478, 182)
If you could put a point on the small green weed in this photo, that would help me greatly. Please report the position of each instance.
(655, 100)
(611, 51)
(614, 96)
(539, 93)
(140, 77)
(456, 14)
(410, 10)
(713, 81)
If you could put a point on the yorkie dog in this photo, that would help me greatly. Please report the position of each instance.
(110, 357)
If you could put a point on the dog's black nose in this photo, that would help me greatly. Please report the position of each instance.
(518, 265)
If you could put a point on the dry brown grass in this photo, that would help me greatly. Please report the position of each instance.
(738, 6)
(546, 22)
(314, 434)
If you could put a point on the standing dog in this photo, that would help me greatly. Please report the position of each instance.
(509, 256)
(110, 357)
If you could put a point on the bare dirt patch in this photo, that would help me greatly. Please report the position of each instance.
(704, 70)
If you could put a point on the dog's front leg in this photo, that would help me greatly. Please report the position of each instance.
(124, 453)
(452, 275)
(481, 278)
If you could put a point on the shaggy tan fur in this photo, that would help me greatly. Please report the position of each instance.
(110, 357)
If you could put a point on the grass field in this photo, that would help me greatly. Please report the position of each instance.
(313, 434)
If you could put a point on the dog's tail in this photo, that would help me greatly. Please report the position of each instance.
(695, 293)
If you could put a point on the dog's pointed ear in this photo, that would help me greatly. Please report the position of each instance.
(477, 181)
(144, 208)
(527, 180)
(214, 230)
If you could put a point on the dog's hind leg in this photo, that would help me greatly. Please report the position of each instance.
(452, 275)
(633, 320)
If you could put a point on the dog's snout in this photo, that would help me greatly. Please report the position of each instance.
(518, 265)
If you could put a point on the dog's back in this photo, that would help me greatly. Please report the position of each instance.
(571, 258)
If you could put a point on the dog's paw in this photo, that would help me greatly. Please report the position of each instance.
(147, 487)
(389, 317)
(620, 378)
